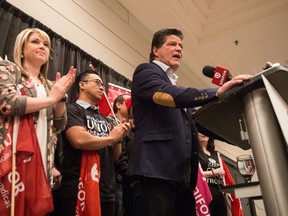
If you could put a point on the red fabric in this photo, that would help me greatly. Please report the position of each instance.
(6, 152)
(113, 92)
(236, 204)
(88, 196)
(128, 103)
(202, 194)
(104, 107)
(32, 191)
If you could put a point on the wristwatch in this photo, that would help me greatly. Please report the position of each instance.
(64, 99)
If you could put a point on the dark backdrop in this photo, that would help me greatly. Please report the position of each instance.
(64, 54)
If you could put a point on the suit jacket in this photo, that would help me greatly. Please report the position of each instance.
(165, 133)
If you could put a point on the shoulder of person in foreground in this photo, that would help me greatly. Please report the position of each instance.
(10, 75)
(147, 68)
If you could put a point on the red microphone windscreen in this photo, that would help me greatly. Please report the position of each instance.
(220, 76)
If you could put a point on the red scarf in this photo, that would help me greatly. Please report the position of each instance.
(88, 195)
(228, 180)
(235, 202)
(202, 194)
(32, 191)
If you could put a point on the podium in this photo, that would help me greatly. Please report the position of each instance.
(255, 115)
(246, 190)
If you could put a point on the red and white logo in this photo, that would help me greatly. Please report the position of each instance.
(220, 76)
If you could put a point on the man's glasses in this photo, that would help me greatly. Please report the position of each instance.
(97, 81)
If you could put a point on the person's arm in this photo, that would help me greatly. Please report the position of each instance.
(80, 138)
(235, 81)
(57, 92)
(208, 174)
(151, 84)
(14, 104)
(215, 172)
(59, 112)
(122, 163)
(59, 117)
(60, 107)
(117, 149)
(36, 104)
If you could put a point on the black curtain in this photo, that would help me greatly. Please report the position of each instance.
(64, 54)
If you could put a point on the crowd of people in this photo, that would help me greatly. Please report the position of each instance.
(143, 160)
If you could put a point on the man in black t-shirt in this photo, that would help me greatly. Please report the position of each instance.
(88, 130)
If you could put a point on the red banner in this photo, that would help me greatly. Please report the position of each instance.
(202, 195)
(32, 191)
(235, 202)
(104, 106)
(113, 92)
(88, 196)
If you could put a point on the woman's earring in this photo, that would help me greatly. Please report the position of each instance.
(22, 56)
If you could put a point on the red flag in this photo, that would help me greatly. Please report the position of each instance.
(6, 152)
(235, 202)
(32, 191)
(115, 90)
(104, 106)
(88, 196)
(202, 194)
(106, 103)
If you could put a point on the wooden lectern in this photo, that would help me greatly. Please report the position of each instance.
(255, 115)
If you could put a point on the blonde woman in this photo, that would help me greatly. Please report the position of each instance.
(38, 95)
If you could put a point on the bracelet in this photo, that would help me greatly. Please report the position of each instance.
(59, 118)
(64, 99)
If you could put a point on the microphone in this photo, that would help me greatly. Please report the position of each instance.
(219, 75)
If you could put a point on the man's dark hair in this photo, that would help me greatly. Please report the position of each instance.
(118, 99)
(82, 77)
(159, 39)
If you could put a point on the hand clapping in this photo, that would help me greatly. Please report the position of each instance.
(62, 84)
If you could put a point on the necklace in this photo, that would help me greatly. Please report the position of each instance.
(36, 82)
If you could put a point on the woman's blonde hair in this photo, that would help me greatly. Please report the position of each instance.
(20, 42)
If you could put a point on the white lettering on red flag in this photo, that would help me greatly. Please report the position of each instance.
(202, 195)
(32, 191)
(88, 195)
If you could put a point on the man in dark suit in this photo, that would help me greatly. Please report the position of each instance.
(164, 158)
